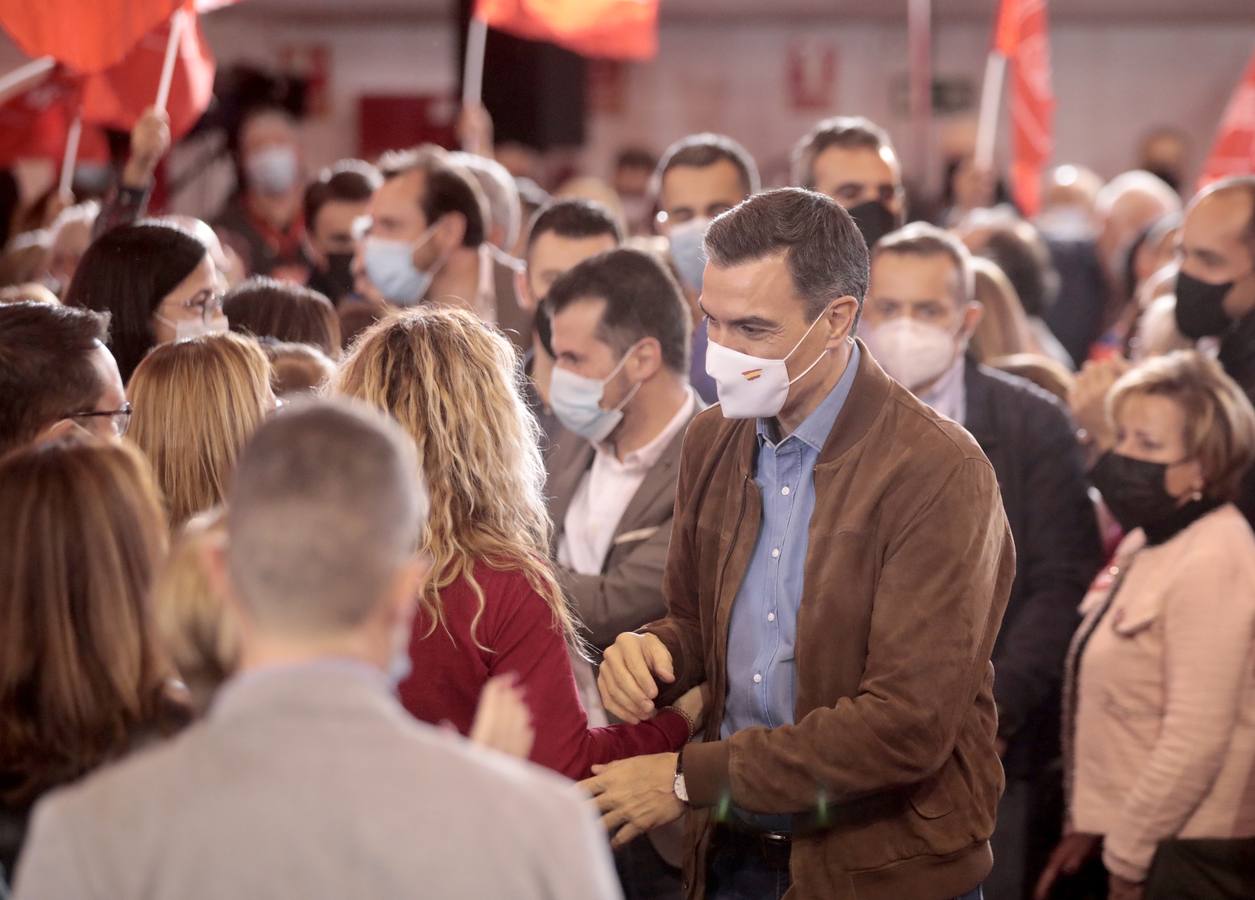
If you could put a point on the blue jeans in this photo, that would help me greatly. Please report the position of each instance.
(743, 876)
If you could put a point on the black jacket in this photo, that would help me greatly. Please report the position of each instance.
(1032, 445)
(1237, 355)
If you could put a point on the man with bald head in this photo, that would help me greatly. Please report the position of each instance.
(307, 778)
(1126, 206)
(1216, 284)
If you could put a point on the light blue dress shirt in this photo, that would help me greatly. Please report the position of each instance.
(763, 627)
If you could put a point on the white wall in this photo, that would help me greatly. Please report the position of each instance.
(1112, 81)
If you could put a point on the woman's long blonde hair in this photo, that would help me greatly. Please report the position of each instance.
(82, 673)
(195, 404)
(197, 627)
(454, 384)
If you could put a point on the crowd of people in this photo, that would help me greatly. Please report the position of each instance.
(409, 529)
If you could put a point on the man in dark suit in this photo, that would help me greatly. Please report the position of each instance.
(917, 320)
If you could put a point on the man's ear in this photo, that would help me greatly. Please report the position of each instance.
(841, 316)
(972, 316)
(450, 231)
(523, 291)
(646, 360)
(60, 429)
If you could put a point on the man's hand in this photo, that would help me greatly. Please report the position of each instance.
(502, 720)
(1119, 889)
(1067, 859)
(150, 141)
(475, 132)
(627, 678)
(635, 795)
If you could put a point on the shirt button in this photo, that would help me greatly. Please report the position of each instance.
(785, 490)
(775, 553)
(771, 617)
(758, 679)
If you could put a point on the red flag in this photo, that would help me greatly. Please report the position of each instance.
(116, 98)
(35, 123)
(1233, 153)
(1021, 36)
(86, 35)
(617, 29)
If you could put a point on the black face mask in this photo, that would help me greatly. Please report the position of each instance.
(339, 273)
(1133, 490)
(874, 220)
(1200, 307)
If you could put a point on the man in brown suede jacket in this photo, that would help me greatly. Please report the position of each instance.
(837, 574)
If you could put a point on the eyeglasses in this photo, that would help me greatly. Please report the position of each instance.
(119, 418)
(207, 302)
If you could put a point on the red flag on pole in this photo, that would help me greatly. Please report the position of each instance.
(1233, 153)
(1022, 38)
(618, 29)
(86, 35)
(118, 97)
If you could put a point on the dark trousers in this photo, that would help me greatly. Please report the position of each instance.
(1029, 826)
(1212, 869)
(746, 867)
(645, 875)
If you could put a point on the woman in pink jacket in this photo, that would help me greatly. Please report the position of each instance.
(1160, 692)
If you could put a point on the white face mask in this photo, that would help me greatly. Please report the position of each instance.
(913, 353)
(273, 170)
(751, 387)
(186, 329)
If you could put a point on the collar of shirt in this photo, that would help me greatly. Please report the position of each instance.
(816, 427)
(643, 459)
(949, 395)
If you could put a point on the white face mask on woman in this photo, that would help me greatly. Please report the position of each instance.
(751, 387)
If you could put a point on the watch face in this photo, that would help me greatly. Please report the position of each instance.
(681, 789)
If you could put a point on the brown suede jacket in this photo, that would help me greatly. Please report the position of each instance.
(890, 770)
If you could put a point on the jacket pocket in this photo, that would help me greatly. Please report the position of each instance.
(932, 799)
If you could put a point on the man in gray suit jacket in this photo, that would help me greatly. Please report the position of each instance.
(621, 388)
(307, 778)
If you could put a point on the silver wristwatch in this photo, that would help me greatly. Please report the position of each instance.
(679, 787)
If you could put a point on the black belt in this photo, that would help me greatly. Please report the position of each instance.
(771, 847)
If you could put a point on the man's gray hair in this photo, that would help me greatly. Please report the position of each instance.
(823, 248)
(497, 184)
(923, 239)
(326, 506)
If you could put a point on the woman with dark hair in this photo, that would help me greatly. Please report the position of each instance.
(157, 282)
(289, 313)
(82, 677)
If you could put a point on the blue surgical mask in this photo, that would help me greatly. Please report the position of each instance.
(390, 268)
(576, 401)
(688, 252)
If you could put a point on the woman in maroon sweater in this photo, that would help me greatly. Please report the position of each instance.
(493, 607)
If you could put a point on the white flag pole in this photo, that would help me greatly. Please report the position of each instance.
(177, 22)
(71, 155)
(990, 105)
(24, 73)
(473, 72)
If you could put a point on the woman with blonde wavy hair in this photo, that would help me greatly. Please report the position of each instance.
(194, 405)
(492, 606)
(83, 678)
